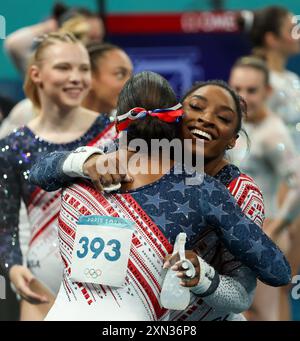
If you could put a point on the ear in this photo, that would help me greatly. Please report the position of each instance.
(35, 74)
(269, 90)
(96, 79)
(271, 40)
(232, 141)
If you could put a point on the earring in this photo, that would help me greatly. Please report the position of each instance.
(229, 147)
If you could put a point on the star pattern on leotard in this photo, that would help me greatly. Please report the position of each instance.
(162, 220)
(154, 200)
(210, 204)
(184, 208)
(257, 248)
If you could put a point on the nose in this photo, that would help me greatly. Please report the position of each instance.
(75, 76)
(242, 93)
(206, 118)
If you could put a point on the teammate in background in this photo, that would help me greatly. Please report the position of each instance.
(270, 160)
(58, 79)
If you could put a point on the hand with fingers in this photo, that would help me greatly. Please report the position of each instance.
(21, 277)
(183, 272)
(107, 169)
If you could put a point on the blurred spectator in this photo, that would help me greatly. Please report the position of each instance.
(272, 34)
(84, 24)
(275, 38)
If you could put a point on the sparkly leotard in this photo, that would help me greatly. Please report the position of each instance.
(271, 159)
(285, 101)
(18, 152)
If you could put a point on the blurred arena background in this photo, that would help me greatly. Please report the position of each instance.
(181, 39)
(184, 40)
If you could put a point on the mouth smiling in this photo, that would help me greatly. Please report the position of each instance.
(73, 92)
(200, 134)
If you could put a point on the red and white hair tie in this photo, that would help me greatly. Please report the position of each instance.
(167, 115)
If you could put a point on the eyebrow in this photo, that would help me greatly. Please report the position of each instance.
(69, 63)
(225, 107)
(200, 97)
(222, 107)
(123, 68)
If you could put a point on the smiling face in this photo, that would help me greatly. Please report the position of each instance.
(114, 68)
(63, 75)
(210, 115)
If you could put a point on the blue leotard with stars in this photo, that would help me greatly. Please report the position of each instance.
(175, 207)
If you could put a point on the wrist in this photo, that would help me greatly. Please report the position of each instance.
(208, 281)
(73, 165)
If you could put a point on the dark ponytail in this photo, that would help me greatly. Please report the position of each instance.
(150, 91)
(260, 22)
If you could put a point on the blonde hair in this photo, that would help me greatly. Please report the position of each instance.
(79, 27)
(43, 42)
(254, 62)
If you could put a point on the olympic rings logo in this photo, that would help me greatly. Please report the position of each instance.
(92, 273)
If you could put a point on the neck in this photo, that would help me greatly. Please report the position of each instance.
(161, 166)
(276, 61)
(92, 103)
(213, 166)
(55, 118)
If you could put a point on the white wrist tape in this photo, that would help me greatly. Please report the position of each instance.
(207, 274)
(73, 165)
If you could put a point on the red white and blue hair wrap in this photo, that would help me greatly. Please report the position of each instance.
(169, 115)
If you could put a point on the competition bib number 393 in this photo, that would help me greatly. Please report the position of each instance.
(101, 250)
(97, 245)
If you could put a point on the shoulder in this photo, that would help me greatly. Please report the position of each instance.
(94, 116)
(281, 79)
(19, 115)
(91, 118)
(13, 140)
(7, 153)
(227, 174)
(23, 105)
(213, 191)
(275, 120)
(194, 184)
(14, 144)
(276, 132)
(249, 197)
(101, 120)
(90, 113)
(292, 75)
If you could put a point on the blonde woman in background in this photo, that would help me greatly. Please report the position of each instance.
(58, 79)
